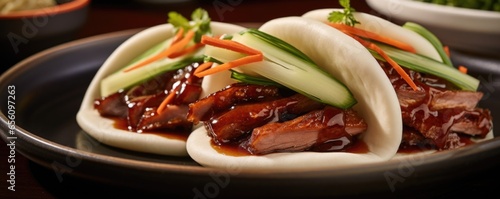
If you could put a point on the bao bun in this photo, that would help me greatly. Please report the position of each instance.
(103, 129)
(350, 63)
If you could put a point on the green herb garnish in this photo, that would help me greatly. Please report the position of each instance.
(156, 60)
(200, 22)
(490, 5)
(345, 17)
(285, 65)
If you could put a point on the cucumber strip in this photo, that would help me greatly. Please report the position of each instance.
(124, 80)
(149, 53)
(431, 38)
(200, 24)
(426, 65)
(109, 86)
(211, 59)
(252, 79)
(280, 44)
(288, 69)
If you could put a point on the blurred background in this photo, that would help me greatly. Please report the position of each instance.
(112, 15)
(23, 36)
(105, 16)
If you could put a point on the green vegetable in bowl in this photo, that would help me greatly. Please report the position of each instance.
(491, 5)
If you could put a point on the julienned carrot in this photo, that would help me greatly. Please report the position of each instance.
(229, 45)
(178, 36)
(167, 100)
(373, 36)
(203, 67)
(232, 64)
(395, 65)
(254, 56)
(462, 69)
(186, 50)
(175, 47)
(446, 50)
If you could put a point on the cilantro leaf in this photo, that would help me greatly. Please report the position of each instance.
(178, 21)
(346, 16)
(200, 22)
(345, 3)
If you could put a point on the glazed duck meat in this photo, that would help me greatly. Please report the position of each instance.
(223, 100)
(138, 105)
(276, 121)
(327, 129)
(439, 112)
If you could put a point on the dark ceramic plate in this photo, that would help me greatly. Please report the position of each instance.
(49, 87)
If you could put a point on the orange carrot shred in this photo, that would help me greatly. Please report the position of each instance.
(203, 67)
(167, 100)
(178, 46)
(374, 36)
(446, 50)
(462, 69)
(229, 45)
(231, 64)
(395, 65)
(178, 36)
(186, 50)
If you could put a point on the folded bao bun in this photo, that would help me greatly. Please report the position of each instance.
(102, 128)
(350, 63)
(383, 27)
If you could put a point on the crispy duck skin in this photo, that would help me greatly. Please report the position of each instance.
(272, 122)
(330, 125)
(442, 125)
(455, 99)
(412, 139)
(172, 118)
(438, 110)
(137, 107)
(138, 104)
(112, 106)
(439, 99)
(241, 120)
(232, 95)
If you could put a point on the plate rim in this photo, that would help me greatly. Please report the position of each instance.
(460, 15)
(156, 167)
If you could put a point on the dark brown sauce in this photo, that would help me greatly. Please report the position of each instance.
(136, 108)
(422, 112)
(237, 150)
(358, 147)
(465, 140)
(414, 149)
(230, 149)
(122, 124)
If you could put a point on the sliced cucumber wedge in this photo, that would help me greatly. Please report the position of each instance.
(426, 65)
(431, 38)
(287, 66)
(123, 80)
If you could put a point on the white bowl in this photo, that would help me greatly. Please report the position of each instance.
(23, 33)
(470, 30)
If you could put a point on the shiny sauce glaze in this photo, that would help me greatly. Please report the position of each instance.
(353, 146)
(135, 109)
(122, 124)
(421, 112)
(413, 140)
(332, 137)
